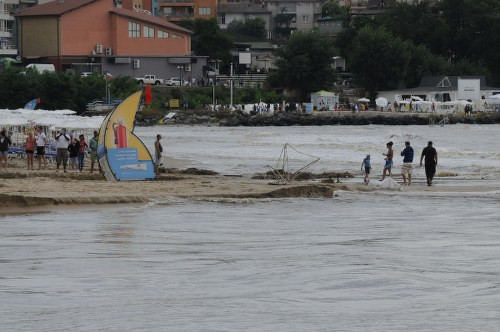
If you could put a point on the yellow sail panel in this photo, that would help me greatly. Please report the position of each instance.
(121, 122)
(122, 155)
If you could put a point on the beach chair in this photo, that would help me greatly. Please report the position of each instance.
(50, 156)
(15, 152)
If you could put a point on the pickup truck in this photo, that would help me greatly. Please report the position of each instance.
(149, 79)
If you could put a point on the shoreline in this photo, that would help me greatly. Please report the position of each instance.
(25, 192)
(238, 118)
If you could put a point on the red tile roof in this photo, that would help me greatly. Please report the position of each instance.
(60, 7)
(148, 19)
(55, 8)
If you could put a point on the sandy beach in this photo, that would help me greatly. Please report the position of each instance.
(25, 190)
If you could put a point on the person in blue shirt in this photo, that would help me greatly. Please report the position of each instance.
(366, 164)
(406, 170)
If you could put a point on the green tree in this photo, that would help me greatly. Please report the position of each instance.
(332, 9)
(255, 27)
(423, 63)
(58, 91)
(208, 39)
(235, 27)
(123, 86)
(283, 22)
(304, 64)
(17, 89)
(378, 59)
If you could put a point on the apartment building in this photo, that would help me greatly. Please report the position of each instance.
(8, 45)
(303, 13)
(177, 10)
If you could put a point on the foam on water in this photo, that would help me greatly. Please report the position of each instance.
(467, 149)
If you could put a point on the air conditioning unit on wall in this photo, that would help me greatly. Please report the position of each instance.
(98, 49)
(109, 51)
(137, 63)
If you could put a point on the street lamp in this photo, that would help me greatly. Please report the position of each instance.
(180, 67)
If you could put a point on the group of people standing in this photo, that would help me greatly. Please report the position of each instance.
(76, 148)
(429, 153)
(36, 142)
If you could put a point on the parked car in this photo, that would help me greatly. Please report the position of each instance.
(42, 67)
(176, 81)
(149, 79)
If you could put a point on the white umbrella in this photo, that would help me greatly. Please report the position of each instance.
(364, 100)
(13, 122)
(381, 102)
(416, 98)
(497, 96)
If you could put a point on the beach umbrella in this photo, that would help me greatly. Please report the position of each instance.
(381, 102)
(364, 100)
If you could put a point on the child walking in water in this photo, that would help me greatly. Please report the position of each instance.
(366, 164)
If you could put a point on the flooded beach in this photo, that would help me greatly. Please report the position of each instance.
(358, 261)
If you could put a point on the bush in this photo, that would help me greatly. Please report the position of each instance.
(58, 90)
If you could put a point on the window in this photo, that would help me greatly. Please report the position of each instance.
(176, 36)
(167, 10)
(305, 18)
(134, 30)
(162, 34)
(148, 32)
(204, 11)
(222, 18)
(119, 3)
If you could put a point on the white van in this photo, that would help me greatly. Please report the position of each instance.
(42, 67)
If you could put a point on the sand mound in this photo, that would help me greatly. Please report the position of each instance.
(308, 191)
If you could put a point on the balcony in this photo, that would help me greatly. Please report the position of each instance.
(6, 15)
(175, 1)
(8, 49)
(6, 33)
(176, 17)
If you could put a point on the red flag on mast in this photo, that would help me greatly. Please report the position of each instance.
(147, 95)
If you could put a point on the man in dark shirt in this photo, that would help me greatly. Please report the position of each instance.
(431, 161)
(406, 170)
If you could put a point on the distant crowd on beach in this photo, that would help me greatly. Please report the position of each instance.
(429, 156)
(70, 151)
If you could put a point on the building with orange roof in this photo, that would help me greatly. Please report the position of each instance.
(77, 34)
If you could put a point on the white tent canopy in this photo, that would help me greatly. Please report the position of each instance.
(57, 119)
(497, 96)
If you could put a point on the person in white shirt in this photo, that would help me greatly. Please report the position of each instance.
(62, 149)
(41, 143)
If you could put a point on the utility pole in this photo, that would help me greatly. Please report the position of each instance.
(231, 82)
(213, 90)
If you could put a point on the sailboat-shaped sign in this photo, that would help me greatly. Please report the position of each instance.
(122, 155)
